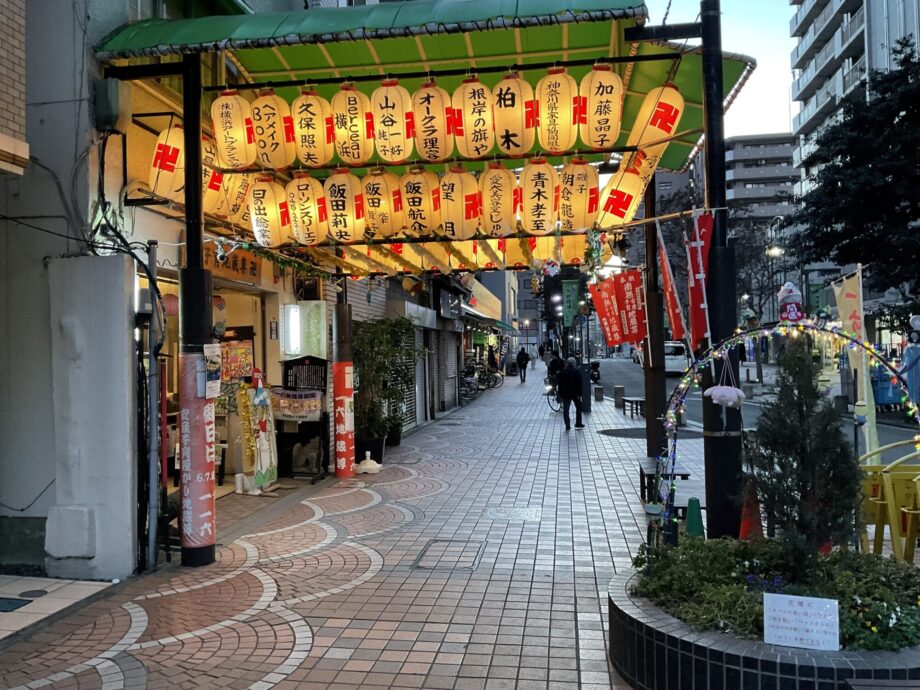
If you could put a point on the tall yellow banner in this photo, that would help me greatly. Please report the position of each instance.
(848, 293)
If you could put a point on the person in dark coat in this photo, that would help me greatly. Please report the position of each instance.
(569, 384)
(522, 359)
(555, 367)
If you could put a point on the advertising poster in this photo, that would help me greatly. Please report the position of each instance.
(197, 436)
(236, 360)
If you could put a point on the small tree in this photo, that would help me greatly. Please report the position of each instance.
(802, 466)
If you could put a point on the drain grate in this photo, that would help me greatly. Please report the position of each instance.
(8, 604)
(639, 432)
(526, 514)
(450, 554)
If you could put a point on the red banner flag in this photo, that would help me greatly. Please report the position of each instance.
(697, 265)
(604, 297)
(671, 298)
(631, 303)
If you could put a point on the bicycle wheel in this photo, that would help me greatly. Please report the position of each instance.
(497, 379)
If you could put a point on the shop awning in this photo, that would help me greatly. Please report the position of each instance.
(477, 315)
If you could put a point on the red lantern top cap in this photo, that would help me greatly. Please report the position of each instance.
(430, 84)
(538, 160)
(495, 165)
(266, 92)
(457, 168)
(347, 86)
(390, 82)
(300, 174)
(602, 67)
(556, 70)
(378, 170)
(229, 92)
(671, 85)
(265, 178)
(340, 171)
(579, 161)
(309, 92)
(512, 75)
(472, 79)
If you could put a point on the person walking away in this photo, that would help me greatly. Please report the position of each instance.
(569, 385)
(491, 359)
(522, 359)
(533, 360)
(542, 352)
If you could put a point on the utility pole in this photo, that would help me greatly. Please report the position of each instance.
(655, 388)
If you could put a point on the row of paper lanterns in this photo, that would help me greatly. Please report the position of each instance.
(430, 123)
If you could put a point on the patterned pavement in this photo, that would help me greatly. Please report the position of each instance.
(478, 558)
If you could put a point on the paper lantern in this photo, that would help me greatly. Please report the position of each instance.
(383, 204)
(461, 204)
(539, 197)
(500, 200)
(600, 108)
(421, 191)
(314, 134)
(268, 211)
(620, 198)
(167, 171)
(434, 137)
(307, 206)
(353, 122)
(658, 119)
(234, 198)
(557, 99)
(274, 128)
(578, 196)
(231, 117)
(211, 179)
(473, 126)
(394, 120)
(345, 204)
(515, 112)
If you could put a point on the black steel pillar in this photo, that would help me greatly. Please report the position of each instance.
(197, 463)
(721, 426)
(653, 360)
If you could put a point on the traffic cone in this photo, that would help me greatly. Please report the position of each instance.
(750, 514)
(694, 526)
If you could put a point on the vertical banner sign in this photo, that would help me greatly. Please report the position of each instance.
(850, 308)
(631, 303)
(569, 301)
(343, 390)
(604, 297)
(697, 265)
(671, 298)
(196, 443)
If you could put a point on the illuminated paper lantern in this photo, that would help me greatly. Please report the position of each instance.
(345, 205)
(353, 123)
(211, 179)
(234, 198)
(314, 134)
(274, 127)
(231, 118)
(461, 204)
(500, 200)
(620, 198)
(600, 108)
(307, 206)
(421, 192)
(658, 118)
(515, 112)
(473, 126)
(394, 121)
(268, 211)
(383, 204)
(578, 196)
(539, 197)
(167, 171)
(557, 99)
(432, 110)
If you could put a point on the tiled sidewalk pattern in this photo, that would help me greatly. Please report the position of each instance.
(478, 558)
(58, 595)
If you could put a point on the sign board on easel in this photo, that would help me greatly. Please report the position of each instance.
(806, 622)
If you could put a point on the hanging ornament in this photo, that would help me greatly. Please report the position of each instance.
(167, 171)
(314, 134)
(383, 203)
(432, 111)
(461, 204)
(472, 118)
(394, 120)
(500, 200)
(353, 122)
(268, 211)
(557, 100)
(231, 118)
(421, 193)
(539, 197)
(620, 198)
(516, 115)
(600, 111)
(211, 179)
(578, 196)
(274, 127)
(307, 205)
(345, 204)
(658, 118)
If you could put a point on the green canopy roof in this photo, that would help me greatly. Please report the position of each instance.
(420, 35)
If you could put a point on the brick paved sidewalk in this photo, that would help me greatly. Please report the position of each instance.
(479, 558)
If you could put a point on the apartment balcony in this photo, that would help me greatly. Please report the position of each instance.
(737, 153)
(854, 75)
(825, 64)
(806, 13)
(851, 36)
(764, 194)
(802, 151)
(818, 33)
(769, 172)
(817, 108)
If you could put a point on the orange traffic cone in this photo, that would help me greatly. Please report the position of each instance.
(751, 526)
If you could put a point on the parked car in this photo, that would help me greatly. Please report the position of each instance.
(676, 358)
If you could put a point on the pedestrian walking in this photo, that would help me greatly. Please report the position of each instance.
(570, 386)
(522, 359)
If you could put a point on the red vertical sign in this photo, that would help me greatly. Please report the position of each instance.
(671, 299)
(697, 265)
(631, 303)
(343, 391)
(196, 450)
(603, 295)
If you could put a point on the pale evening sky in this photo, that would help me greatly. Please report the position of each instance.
(760, 30)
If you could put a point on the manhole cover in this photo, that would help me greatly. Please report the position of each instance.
(450, 554)
(33, 593)
(7, 604)
(526, 514)
(639, 432)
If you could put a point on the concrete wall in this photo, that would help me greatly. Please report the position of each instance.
(887, 21)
